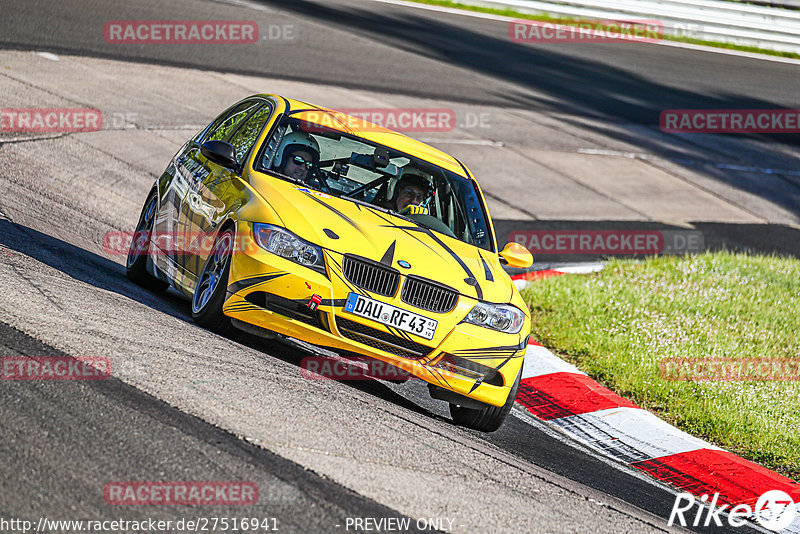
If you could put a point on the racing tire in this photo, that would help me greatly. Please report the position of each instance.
(212, 286)
(136, 263)
(488, 418)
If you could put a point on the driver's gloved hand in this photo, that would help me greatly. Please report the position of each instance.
(411, 209)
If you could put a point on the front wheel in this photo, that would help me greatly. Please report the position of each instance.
(212, 286)
(488, 418)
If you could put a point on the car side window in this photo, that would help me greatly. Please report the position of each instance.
(246, 135)
(222, 127)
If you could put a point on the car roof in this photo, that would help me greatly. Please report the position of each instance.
(375, 133)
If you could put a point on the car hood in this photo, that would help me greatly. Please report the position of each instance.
(346, 227)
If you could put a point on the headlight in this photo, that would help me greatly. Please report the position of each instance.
(287, 245)
(501, 317)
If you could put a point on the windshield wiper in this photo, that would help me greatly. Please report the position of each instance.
(382, 209)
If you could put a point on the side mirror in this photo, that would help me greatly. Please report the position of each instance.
(220, 152)
(515, 255)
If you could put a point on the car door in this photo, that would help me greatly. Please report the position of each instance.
(219, 189)
(188, 169)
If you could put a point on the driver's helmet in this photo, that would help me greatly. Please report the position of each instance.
(412, 177)
(293, 142)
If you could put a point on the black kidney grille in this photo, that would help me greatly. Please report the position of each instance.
(428, 295)
(371, 276)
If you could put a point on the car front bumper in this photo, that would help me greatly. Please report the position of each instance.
(276, 294)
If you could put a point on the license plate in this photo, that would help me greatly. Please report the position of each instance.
(390, 315)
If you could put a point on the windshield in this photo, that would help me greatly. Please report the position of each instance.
(351, 167)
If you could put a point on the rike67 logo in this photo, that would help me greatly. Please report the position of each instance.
(775, 510)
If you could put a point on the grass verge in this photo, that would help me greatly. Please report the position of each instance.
(617, 325)
(575, 22)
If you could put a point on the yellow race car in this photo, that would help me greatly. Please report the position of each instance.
(281, 217)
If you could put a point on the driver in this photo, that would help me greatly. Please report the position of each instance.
(297, 155)
(411, 190)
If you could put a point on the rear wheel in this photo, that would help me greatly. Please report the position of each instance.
(488, 418)
(136, 264)
(212, 286)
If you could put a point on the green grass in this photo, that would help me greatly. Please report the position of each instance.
(616, 325)
(575, 22)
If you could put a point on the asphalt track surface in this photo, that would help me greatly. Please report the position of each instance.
(367, 45)
(615, 90)
(202, 411)
(60, 438)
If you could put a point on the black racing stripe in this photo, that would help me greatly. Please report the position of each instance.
(396, 332)
(402, 333)
(450, 251)
(426, 360)
(486, 270)
(505, 362)
(479, 357)
(404, 229)
(349, 221)
(437, 374)
(253, 280)
(484, 354)
(301, 110)
(478, 382)
(240, 308)
(388, 256)
(505, 348)
(326, 322)
(350, 286)
(509, 355)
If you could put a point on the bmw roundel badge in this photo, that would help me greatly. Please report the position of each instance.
(404, 264)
